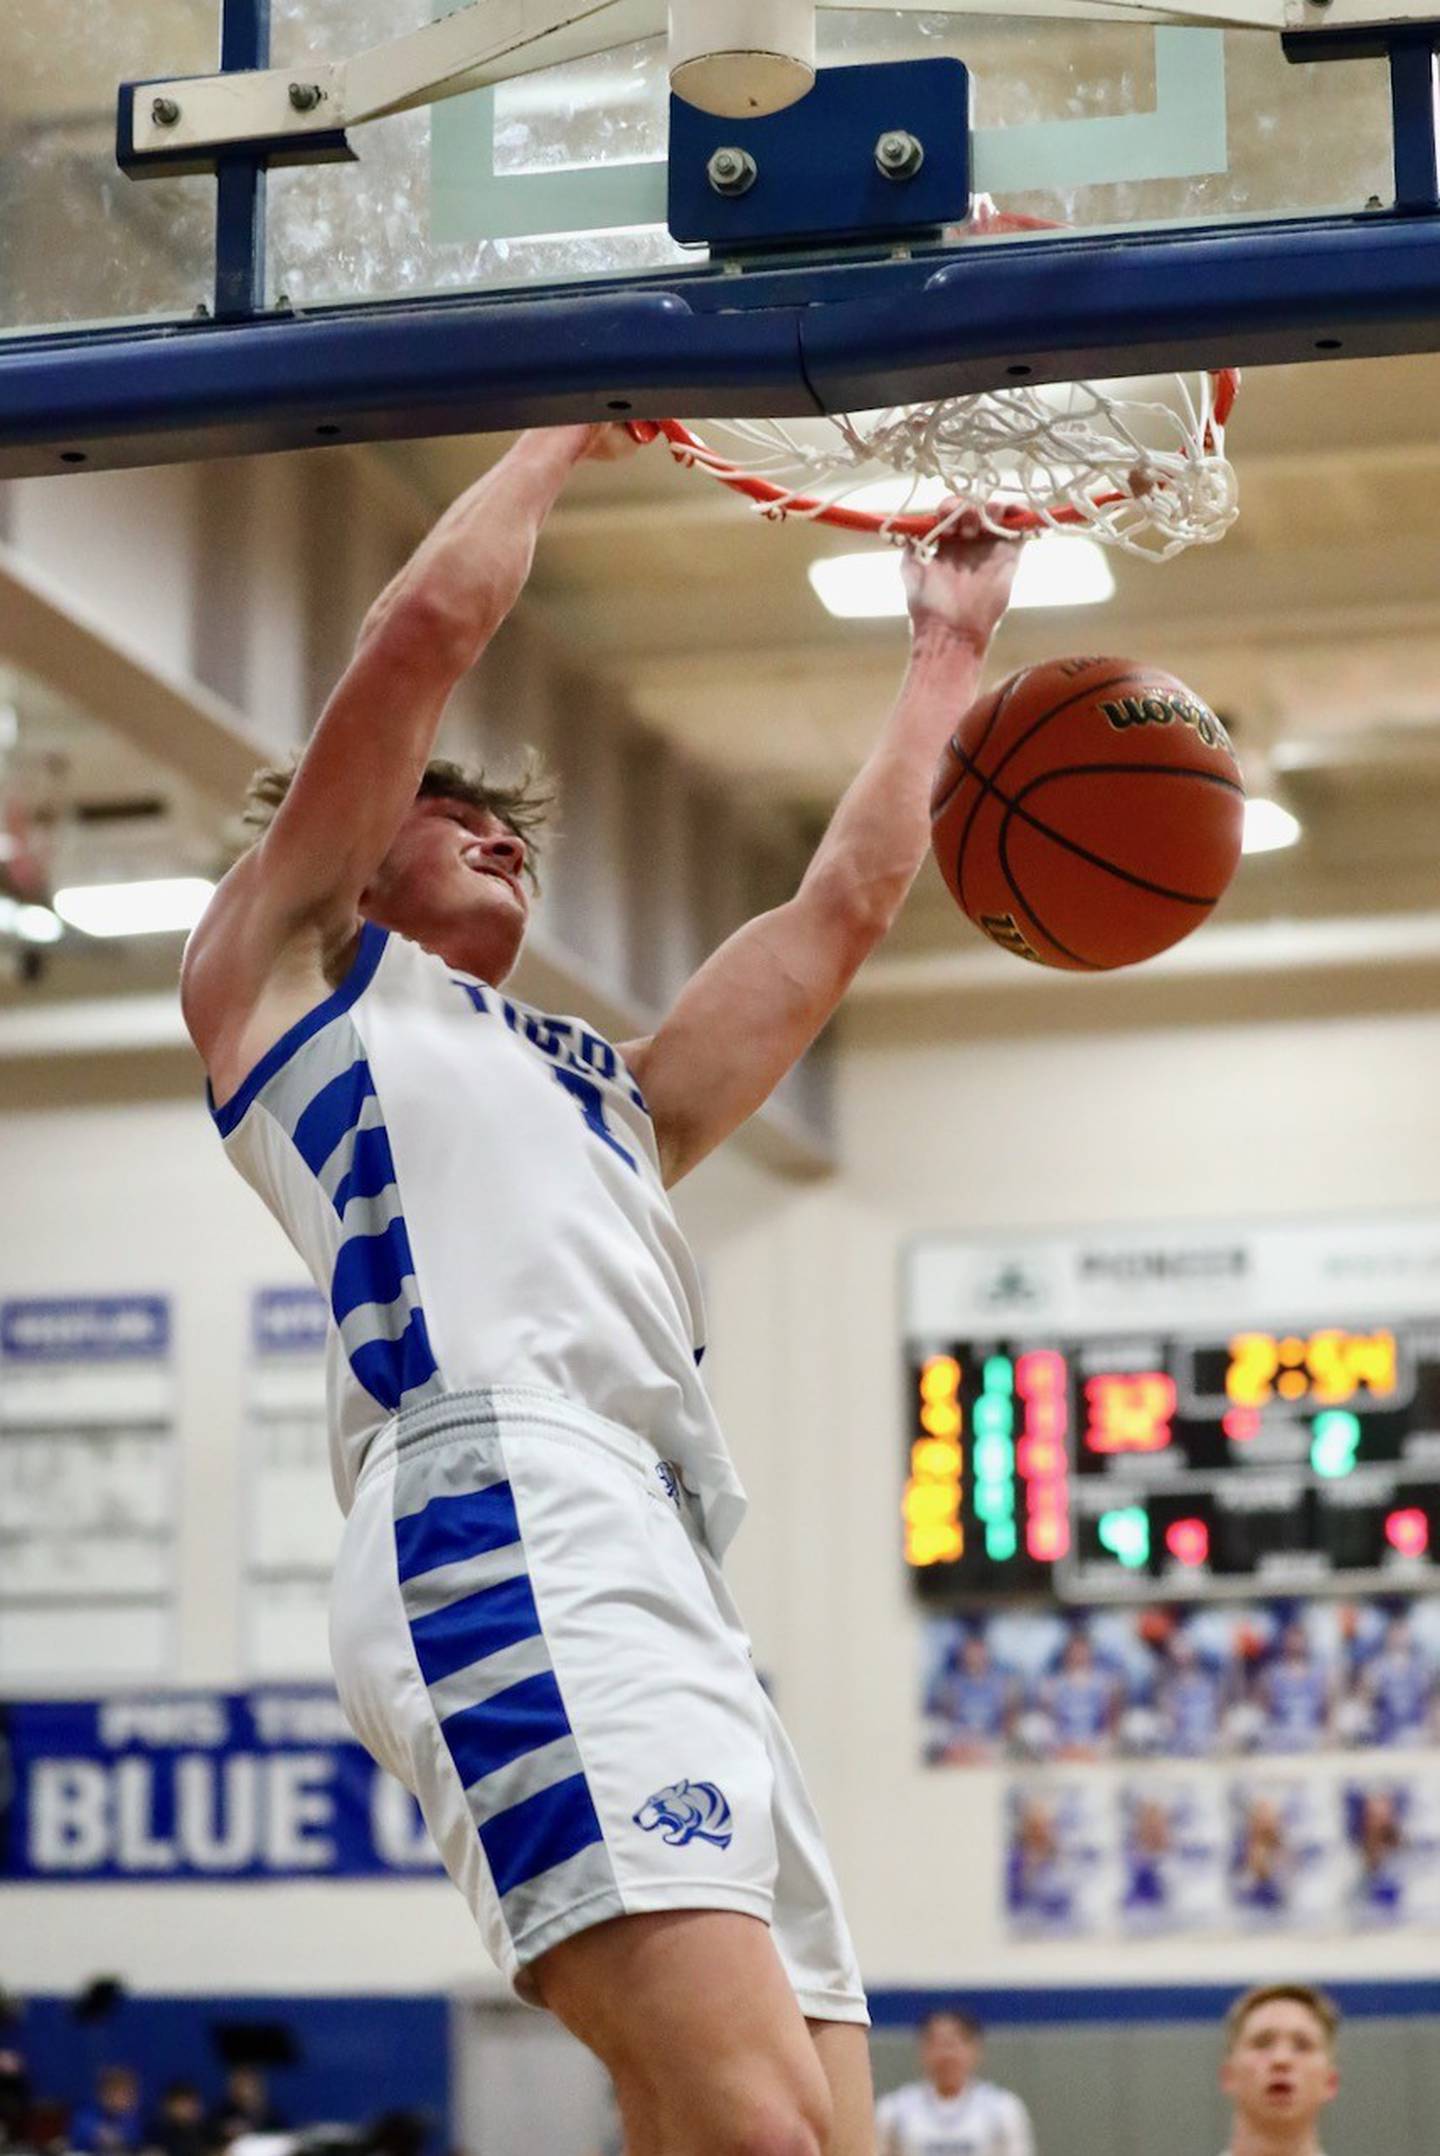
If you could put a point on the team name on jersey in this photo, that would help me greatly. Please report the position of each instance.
(564, 1040)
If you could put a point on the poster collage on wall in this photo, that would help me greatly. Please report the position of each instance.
(1241, 1766)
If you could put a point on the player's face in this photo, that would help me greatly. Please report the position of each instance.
(949, 2055)
(1280, 2072)
(453, 881)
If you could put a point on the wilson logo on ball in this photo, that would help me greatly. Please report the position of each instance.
(1163, 711)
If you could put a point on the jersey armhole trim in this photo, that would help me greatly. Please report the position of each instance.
(369, 951)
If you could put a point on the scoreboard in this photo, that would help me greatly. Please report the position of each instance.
(1180, 1413)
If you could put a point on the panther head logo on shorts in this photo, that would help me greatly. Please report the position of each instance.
(687, 1812)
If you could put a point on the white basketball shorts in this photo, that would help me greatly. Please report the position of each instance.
(529, 1632)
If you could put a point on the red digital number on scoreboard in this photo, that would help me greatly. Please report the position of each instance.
(1042, 1381)
(1129, 1411)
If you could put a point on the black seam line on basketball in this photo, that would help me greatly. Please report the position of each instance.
(1098, 860)
(1066, 704)
(1006, 691)
(1012, 803)
(1002, 849)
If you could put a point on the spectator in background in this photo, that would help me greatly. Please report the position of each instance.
(16, 2100)
(111, 2125)
(950, 2112)
(245, 2108)
(1279, 2069)
(178, 2127)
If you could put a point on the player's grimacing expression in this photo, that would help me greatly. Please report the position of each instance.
(454, 882)
(1280, 2068)
(949, 2053)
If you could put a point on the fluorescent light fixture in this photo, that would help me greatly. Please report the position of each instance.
(37, 924)
(32, 924)
(161, 907)
(1268, 827)
(1053, 571)
(1059, 571)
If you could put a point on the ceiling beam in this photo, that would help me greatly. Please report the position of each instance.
(168, 716)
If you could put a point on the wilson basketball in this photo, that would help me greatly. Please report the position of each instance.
(1087, 813)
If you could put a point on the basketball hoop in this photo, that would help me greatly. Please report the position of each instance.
(1139, 465)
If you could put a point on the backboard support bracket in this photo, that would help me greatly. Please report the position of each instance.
(818, 168)
(1411, 49)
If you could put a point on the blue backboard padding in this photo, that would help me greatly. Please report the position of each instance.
(948, 320)
(816, 173)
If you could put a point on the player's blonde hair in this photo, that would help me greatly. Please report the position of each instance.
(1316, 2002)
(526, 803)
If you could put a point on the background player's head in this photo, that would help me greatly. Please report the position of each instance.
(950, 2044)
(1279, 2069)
(458, 876)
(117, 2090)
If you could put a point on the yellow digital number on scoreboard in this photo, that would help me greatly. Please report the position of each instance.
(933, 1493)
(1324, 1368)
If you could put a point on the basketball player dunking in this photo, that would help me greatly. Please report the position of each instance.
(529, 1625)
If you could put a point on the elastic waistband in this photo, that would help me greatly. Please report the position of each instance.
(459, 1415)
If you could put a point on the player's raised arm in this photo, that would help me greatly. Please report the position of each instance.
(755, 1007)
(363, 763)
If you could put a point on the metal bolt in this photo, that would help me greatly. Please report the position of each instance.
(305, 96)
(165, 112)
(899, 155)
(732, 172)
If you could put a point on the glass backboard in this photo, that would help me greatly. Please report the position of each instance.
(560, 176)
(1158, 196)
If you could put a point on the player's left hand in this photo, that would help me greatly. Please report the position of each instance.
(609, 443)
(964, 586)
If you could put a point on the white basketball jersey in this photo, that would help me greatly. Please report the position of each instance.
(476, 1190)
(981, 2121)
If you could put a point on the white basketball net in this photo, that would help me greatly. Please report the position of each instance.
(1130, 465)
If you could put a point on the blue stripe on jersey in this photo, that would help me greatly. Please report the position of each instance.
(479, 1625)
(452, 1528)
(371, 1269)
(368, 953)
(332, 1114)
(505, 1727)
(540, 1832)
(390, 1370)
(372, 1167)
